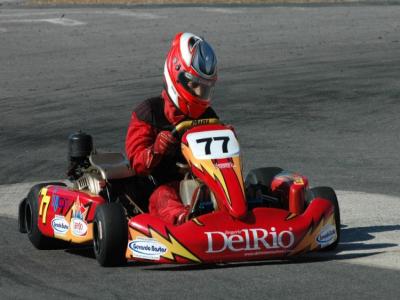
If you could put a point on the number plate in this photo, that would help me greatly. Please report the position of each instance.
(214, 144)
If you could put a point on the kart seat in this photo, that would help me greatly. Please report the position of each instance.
(187, 189)
(111, 165)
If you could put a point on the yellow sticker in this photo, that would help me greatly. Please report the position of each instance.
(44, 204)
(298, 180)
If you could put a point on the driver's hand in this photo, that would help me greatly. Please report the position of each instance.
(165, 143)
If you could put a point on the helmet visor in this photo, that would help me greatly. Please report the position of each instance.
(198, 87)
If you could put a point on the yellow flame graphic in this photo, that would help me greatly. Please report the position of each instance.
(308, 243)
(173, 246)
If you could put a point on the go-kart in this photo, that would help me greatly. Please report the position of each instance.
(271, 214)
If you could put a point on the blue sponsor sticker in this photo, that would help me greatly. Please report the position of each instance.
(59, 225)
(147, 248)
(327, 235)
(57, 202)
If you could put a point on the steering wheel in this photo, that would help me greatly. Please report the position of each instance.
(181, 128)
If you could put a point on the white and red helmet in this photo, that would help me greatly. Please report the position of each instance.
(190, 73)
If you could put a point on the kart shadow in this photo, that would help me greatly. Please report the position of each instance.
(354, 238)
(304, 259)
(84, 251)
(356, 234)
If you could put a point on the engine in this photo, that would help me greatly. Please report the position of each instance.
(80, 146)
(91, 182)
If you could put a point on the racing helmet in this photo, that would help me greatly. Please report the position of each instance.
(190, 73)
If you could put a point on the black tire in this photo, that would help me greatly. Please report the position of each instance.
(329, 194)
(263, 176)
(110, 235)
(31, 213)
(21, 216)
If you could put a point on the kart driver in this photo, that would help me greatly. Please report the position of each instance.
(190, 73)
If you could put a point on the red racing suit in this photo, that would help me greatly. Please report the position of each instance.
(148, 119)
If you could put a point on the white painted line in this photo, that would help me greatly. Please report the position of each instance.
(64, 22)
(228, 11)
(10, 197)
(130, 13)
(27, 14)
(20, 21)
(370, 233)
(9, 1)
(370, 230)
(58, 21)
(118, 12)
(12, 194)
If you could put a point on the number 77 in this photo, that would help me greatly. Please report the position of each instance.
(208, 141)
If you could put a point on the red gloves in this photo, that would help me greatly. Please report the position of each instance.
(165, 143)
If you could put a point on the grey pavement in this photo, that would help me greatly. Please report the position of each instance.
(311, 89)
(314, 89)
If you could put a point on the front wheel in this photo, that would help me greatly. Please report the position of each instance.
(329, 194)
(110, 235)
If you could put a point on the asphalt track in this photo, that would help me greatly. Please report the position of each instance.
(313, 89)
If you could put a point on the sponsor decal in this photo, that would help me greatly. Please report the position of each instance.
(172, 245)
(200, 122)
(57, 202)
(78, 223)
(59, 225)
(78, 227)
(298, 180)
(225, 165)
(287, 177)
(327, 235)
(44, 204)
(254, 239)
(147, 248)
(78, 210)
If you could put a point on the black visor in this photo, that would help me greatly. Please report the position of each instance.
(198, 87)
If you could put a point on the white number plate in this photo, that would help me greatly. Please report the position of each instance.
(214, 144)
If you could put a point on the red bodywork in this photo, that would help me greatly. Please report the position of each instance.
(67, 214)
(218, 237)
(231, 233)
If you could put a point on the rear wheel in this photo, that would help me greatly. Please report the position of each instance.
(110, 235)
(329, 194)
(30, 210)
